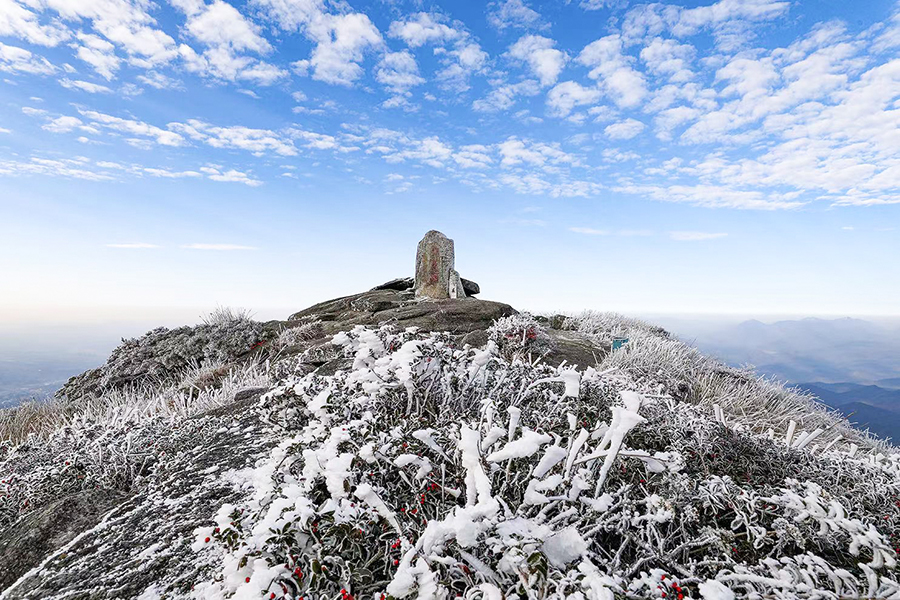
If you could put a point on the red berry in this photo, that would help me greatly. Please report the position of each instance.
(247, 580)
(206, 540)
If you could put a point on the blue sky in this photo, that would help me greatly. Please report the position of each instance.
(694, 157)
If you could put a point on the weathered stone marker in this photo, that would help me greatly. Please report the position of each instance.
(436, 276)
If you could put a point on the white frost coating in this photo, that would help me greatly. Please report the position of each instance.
(564, 546)
(572, 379)
(552, 457)
(464, 524)
(490, 591)
(422, 462)
(623, 421)
(426, 436)
(533, 495)
(492, 436)
(575, 449)
(317, 405)
(528, 444)
(365, 493)
(482, 358)
(367, 453)
(595, 584)
(631, 400)
(337, 470)
(478, 486)
(515, 413)
(713, 590)
(600, 504)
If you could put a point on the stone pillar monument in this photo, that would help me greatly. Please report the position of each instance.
(436, 275)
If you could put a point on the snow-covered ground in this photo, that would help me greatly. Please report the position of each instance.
(428, 470)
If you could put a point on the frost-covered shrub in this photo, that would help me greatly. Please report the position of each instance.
(161, 355)
(688, 375)
(108, 442)
(223, 315)
(294, 336)
(519, 335)
(431, 471)
(607, 326)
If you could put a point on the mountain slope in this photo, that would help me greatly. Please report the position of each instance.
(372, 460)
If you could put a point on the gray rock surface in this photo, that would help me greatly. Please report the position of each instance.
(403, 309)
(435, 261)
(456, 286)
(102, 545)
(399, 284)
(470, 287)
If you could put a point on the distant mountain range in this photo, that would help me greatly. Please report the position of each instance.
(868, 406)
(853, 364)
(812, 349)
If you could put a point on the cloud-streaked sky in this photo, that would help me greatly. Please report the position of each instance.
(738, 156)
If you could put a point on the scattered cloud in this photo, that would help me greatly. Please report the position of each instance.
(85, 86)
(538, 52)
(624, 130)
(19, 60)
(589, 231)
(218, 247)
(614, 70)
(694, 236)
(514, 14)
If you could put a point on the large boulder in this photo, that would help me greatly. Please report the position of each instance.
(403, 309)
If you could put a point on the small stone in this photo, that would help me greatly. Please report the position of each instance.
(456, 286)
(471, 288)
(400, 284)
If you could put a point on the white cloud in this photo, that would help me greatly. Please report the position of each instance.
(539, 54)
(122, 22)
(132, 246)
(62, 124)
(564, 97)
(221, 24)
(461, 62)
(612, 68)
(695, 236)
(514, 14)
(589, 231)
(17, 21)
(504, 96)
(668, 57)
(158, 80)
(133, 127)
(424, 28)
(19, 60)
(220, 62)
(44, 167)
(712, 196)
(223, 247)
(624, 130)
(85, 86)
(98, 53)
(730, 21)
(342, 41)
(398, 71)
(257, 141)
